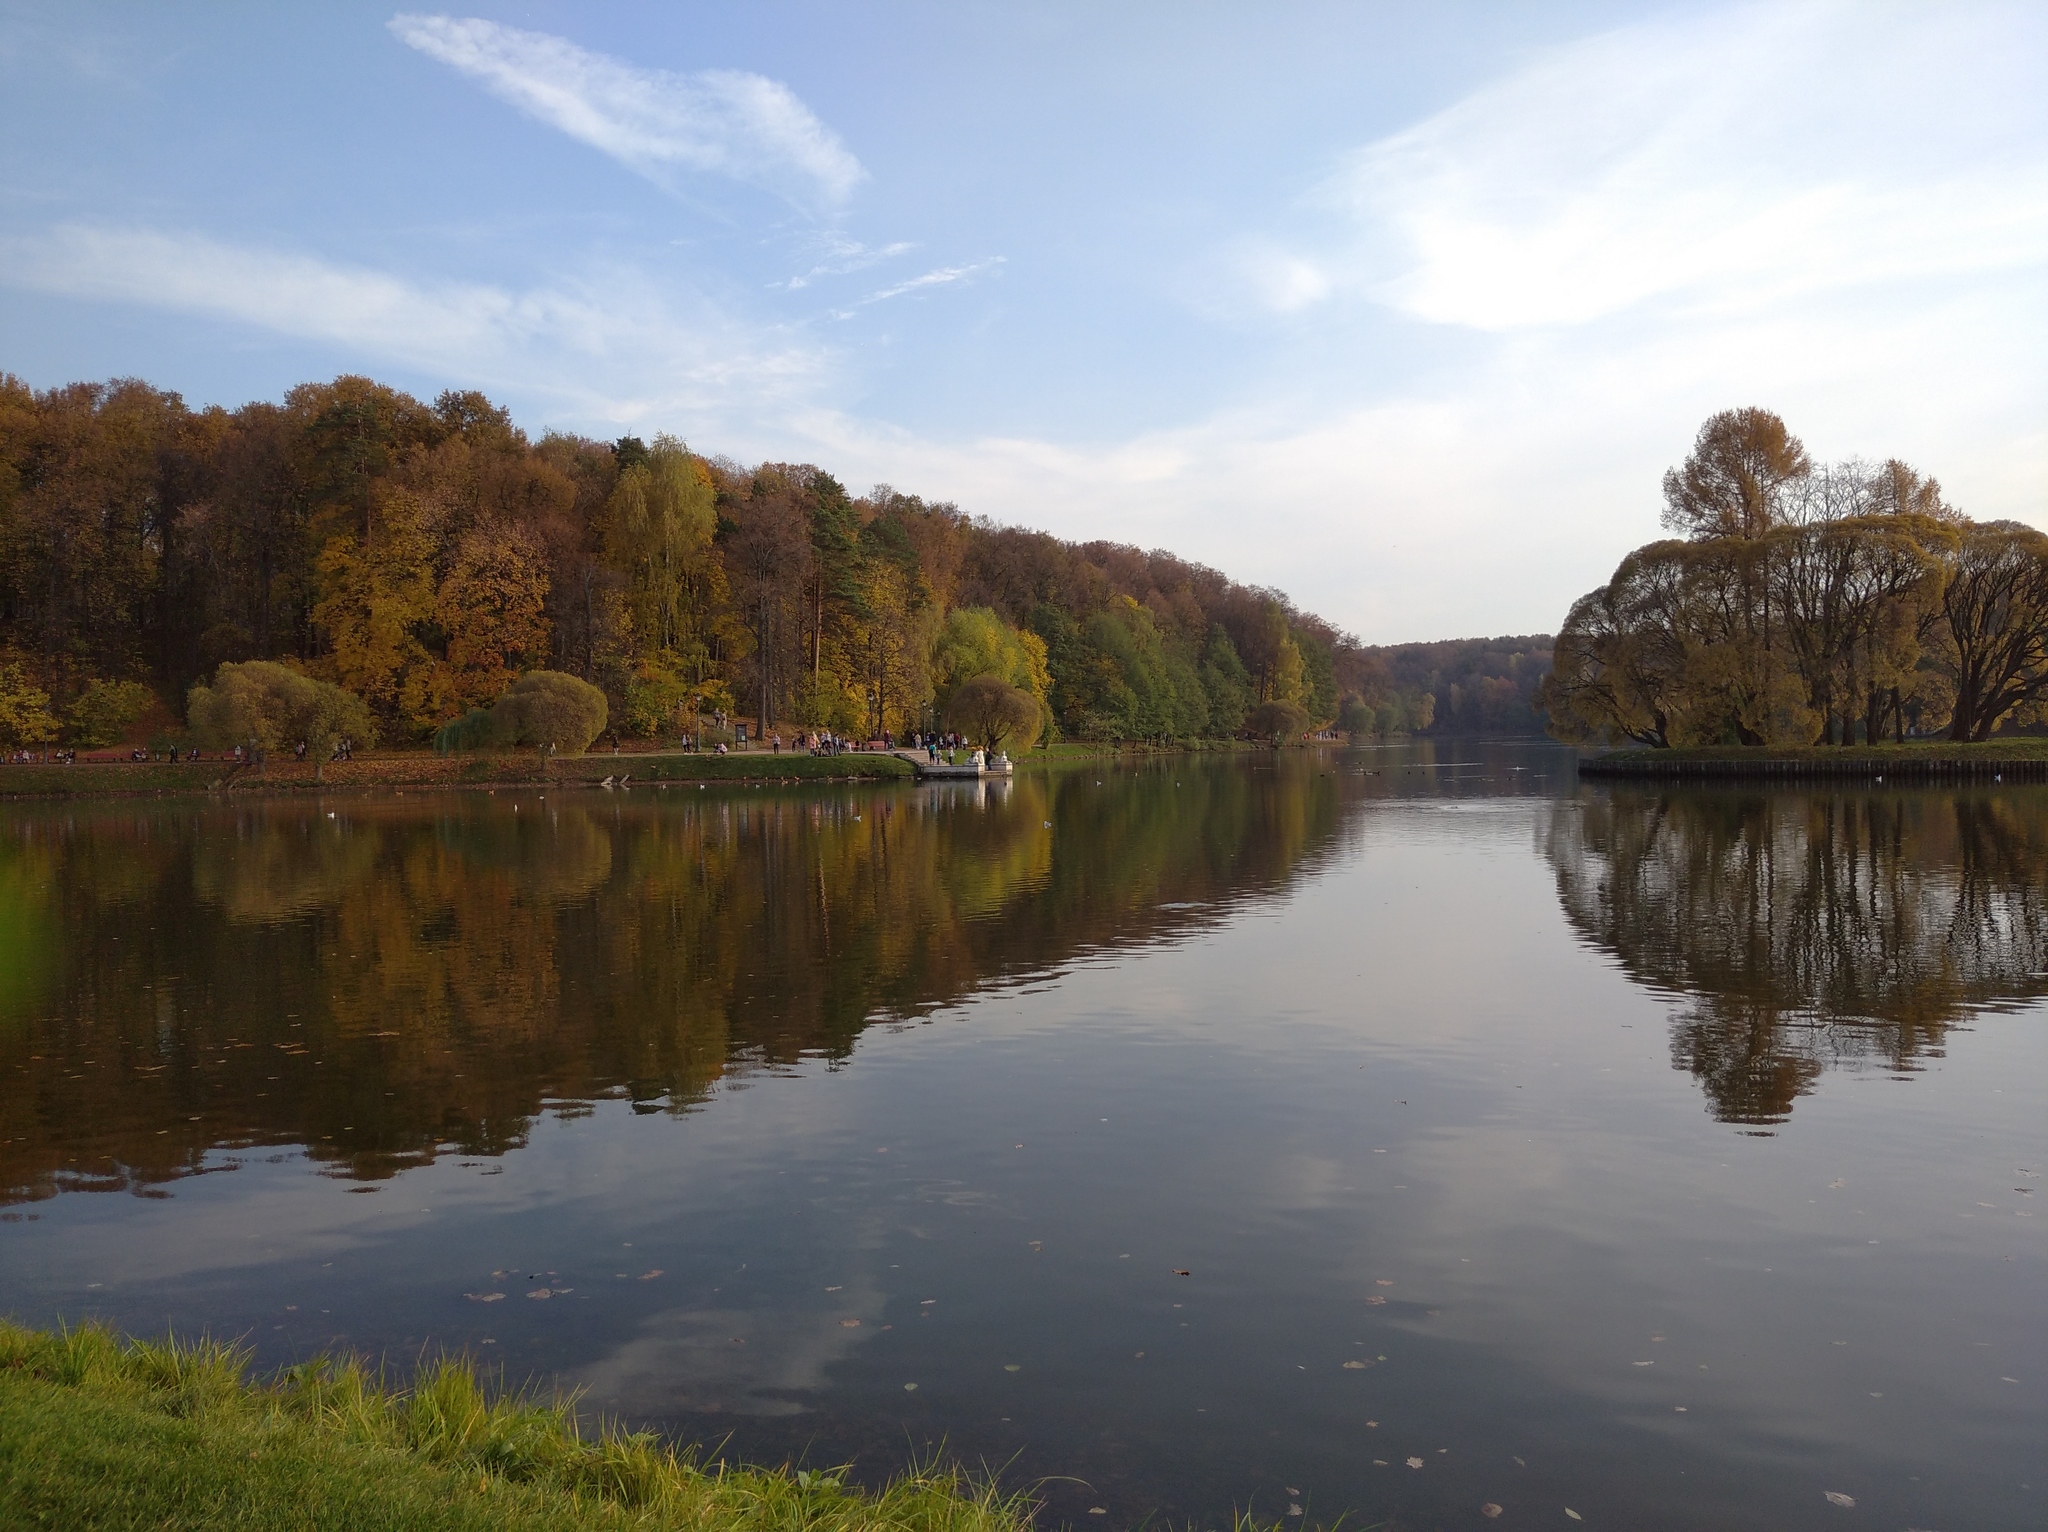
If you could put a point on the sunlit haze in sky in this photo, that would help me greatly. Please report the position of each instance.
(1402, 308)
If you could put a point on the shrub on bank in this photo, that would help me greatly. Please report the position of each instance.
(271, 707)
(544, 708)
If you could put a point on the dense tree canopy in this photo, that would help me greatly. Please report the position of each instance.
(1811, 605)
(422, 557)
(1461, 686)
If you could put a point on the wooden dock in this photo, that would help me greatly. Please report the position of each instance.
(928, 770)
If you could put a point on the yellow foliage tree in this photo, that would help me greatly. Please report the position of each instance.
(376, 592)
(492, 606)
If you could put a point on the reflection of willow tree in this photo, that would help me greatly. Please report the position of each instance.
(414, 976)
(1809, 930)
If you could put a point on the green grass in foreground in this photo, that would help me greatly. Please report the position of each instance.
(101, 1433)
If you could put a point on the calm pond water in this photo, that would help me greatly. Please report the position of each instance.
(1382, 1134)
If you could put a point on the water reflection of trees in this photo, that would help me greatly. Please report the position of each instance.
(412, 976)
(1808, 930)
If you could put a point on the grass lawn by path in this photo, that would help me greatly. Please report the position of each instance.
(99, 1434)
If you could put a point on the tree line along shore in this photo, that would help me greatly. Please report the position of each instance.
(414, 561)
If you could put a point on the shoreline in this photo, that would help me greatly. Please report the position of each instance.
(1995, 761)
(133, 779)
(112, 779)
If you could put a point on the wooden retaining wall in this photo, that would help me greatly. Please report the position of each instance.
(1658, 766)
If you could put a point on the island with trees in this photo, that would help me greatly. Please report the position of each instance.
(1810, 618)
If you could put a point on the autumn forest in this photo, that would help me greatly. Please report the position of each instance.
(422, 556)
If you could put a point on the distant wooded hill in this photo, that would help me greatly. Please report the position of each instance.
(1475, 685)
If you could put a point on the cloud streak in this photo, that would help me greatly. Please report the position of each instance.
(723, 122)
(843, 257)
(610, 345)
(1715, 163)
(940, 277)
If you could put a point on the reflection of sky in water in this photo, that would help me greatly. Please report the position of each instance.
(1298, 1034)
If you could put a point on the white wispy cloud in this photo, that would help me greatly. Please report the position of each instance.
(610, 343)
(844, 256)
(939, 277)
(718, 121)
(1721, 161)
(1836, 211)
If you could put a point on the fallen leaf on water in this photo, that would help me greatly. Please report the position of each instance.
(1294, 1510)
(1015, 1367)
(1640, 1364)
(1489, 1510)
(649, 1276)
(910, 1388)
(1381, 1282)
(1098, 1510)
(1372, 1425)
(1179, 1273)
(1355, 1366)
(540, 1292)
(483, 1297)
(1379, 1462)
(849, 1324)
(840, 1288)
(1575, 1516)
(1375, 1299)
(1415, 1462)
(1836, 1497)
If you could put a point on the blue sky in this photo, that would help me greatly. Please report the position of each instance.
(1401, 308)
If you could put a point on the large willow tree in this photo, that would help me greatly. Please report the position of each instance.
(1809, 605)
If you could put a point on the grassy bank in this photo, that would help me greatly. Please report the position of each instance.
(98, 1433)
(2015, 760)
(402, 768)
(95, 779)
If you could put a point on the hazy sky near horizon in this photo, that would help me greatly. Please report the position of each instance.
(1401, 308)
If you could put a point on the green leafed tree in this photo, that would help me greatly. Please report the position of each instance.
(1226, 684)
(548, 709)
(102, 713)
(1277, 721)
(992, 712)
(266, 707)
(974, 641)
